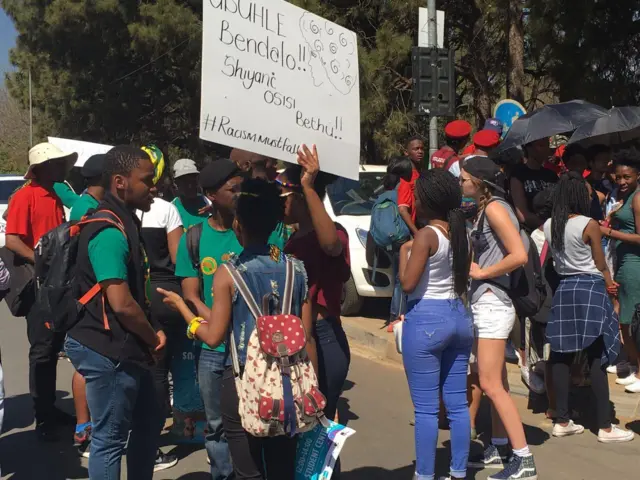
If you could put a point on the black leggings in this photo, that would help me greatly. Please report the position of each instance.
(561, 368)
(254, 458)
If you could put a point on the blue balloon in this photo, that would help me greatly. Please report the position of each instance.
(508, 111)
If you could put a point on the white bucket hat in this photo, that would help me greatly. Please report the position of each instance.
(43, 152)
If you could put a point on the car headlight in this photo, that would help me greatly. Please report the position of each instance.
(362, 236)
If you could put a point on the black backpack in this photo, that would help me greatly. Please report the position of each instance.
(527, 288)
(58, 298)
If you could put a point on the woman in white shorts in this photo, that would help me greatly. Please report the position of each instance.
(498, 250)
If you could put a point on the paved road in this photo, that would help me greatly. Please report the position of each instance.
(376, 404)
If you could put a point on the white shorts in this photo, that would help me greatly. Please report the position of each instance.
(492, 318)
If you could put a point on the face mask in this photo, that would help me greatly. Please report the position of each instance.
(469, 207)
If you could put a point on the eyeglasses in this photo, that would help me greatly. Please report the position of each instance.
(287, 184)
(287, 194)
(462, 180)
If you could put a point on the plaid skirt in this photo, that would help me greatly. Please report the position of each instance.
(581, 313)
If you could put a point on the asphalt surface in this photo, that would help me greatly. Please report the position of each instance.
(376, 404)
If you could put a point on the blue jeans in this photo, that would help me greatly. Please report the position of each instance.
(122, 398)
(399, 298)
(210, 369)
(437, 336)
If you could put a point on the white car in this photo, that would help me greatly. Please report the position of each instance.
(349, 203)
(8, 185)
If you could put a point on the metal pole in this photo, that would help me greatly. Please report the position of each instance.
(30, 113)
(433, 43)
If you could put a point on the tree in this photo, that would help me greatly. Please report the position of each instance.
(14, 135)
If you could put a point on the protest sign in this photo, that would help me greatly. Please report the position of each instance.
(83, 149)
(275, 76)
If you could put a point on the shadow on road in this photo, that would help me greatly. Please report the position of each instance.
(193, 476)
(378, 473)
(19, 409)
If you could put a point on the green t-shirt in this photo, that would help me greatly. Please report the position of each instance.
(215, 248)
(85, 203)
(190, 217)
(109, 256)
(66, 194)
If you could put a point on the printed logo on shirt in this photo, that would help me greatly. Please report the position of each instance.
(208, 266)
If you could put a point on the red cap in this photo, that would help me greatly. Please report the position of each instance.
(486, 139)
(457, 129)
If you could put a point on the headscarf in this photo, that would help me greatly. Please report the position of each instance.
(157, 158)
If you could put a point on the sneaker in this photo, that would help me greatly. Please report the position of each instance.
(46, 432)
(532, 381)
(82, 441)
(633, 388)
(164, 461)
(492, 457)
(519, 468)
(616, 435)
(628, 380)
(570, 429)
(612, 369)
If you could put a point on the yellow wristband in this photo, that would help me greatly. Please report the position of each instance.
(193, 326)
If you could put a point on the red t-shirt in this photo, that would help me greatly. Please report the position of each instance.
(406, 196)
(325, 274)
(32, 212)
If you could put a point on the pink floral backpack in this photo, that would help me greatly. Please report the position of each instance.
(278, 391)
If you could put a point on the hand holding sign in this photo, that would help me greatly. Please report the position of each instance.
(308, 160)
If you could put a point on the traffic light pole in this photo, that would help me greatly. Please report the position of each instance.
(433, 43)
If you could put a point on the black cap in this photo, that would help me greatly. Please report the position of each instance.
(483, 168)
(94, 166)
(216, 174)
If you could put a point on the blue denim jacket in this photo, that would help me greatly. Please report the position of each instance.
(262, 275)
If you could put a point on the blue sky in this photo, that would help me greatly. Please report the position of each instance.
(7, 41)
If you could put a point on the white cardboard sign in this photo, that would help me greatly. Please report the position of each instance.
(423, 24)
(83, 149)
(275, 76)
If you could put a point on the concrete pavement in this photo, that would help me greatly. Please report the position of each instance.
(376, 403)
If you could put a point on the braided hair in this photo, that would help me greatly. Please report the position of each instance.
(259, 207)
(439, 194)
(570, 197)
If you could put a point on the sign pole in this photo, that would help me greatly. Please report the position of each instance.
(433, 43)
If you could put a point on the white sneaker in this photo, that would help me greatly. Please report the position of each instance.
(570, 429)
(532, 381)
(612, 369)
(616, 435)
(633, 388)
(628, 380)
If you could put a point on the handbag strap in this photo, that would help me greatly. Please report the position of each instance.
(544, 253)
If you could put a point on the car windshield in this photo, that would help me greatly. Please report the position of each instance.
(7, 187)
(351, 197)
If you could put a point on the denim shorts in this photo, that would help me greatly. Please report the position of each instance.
(493, 318)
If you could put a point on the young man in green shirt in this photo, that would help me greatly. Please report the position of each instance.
(220, 182)
(89, 200)
(190, 203)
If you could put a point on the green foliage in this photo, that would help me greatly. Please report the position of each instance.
(121, 71)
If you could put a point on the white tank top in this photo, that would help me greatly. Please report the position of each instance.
(437, 279)
(576, 257)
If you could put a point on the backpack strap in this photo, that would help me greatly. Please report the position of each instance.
(544, 253)
(194, 234)
(242, 287)
(483, 215)
(290, 276)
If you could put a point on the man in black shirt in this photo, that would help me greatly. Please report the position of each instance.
(114, 344)
(529, 179)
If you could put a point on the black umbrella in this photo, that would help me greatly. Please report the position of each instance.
(550, 120)
(620, 125)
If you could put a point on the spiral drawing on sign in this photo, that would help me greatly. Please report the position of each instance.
(333, 54)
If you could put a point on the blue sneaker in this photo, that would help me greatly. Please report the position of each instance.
(519, 468)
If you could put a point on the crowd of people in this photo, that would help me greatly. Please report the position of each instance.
(153, 242)
(475, 215)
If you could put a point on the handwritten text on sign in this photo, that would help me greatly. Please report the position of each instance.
(275, 76)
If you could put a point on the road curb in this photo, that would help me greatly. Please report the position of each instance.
(368, 339)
